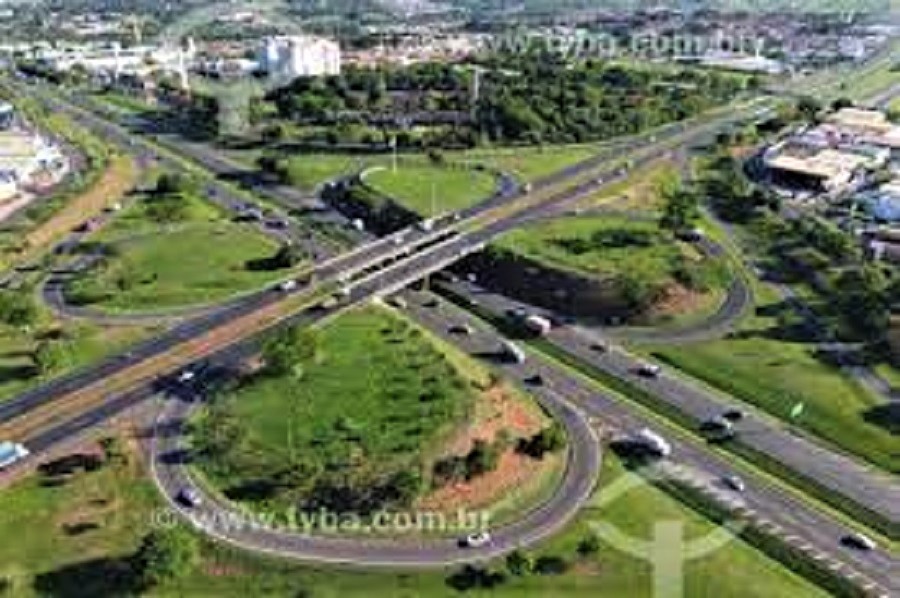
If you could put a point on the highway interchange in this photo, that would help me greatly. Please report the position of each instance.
(382, 267)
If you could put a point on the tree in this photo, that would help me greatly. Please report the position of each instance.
(165, 555)
(842, 102)
(681, 208)
(519, 563)
(861, 295)
(175, 183)
(219, 434)
(287, 256)
(51, 355)
(291, 348)
(589, 545)
(808, 108)
(549, 440)
(18, 309)
(113, 451)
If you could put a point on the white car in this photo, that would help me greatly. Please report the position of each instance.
(735, 483)
(649, 370)
(477, 540)
(287, 286)
(186, 376)
(859, 541)
(189, 497)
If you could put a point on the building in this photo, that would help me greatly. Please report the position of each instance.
(820, 169)
(290, 57)
(830, 156)
(866, 126)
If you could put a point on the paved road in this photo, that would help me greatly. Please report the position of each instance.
(570, 399)
(387, 250)
(874, 490)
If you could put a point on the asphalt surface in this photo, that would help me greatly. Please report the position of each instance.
(578, 406)
(393, 251)
(872, 489)
(392, 278)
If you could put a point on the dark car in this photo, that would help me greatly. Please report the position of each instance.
(535, 380)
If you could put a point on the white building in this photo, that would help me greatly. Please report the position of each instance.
(299, 56)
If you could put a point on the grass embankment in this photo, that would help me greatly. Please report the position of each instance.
(75, 345)
(761, 365)
(431, 190)
(380, 401)
(81, 534)
(528, 163)
(309, 171)
(203, 258)
(647, 273)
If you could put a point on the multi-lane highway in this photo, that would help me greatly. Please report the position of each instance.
(576, 403)
(390, 264)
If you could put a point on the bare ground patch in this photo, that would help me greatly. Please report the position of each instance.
(499, 409)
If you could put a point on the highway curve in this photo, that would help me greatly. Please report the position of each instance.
(738, 296)
(222, 521)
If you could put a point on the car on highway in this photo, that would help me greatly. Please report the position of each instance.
(599, 347)
(189, 497)
(398, 302)
(859, 541)
(649, 370)
(10, 453)
(461, 329)
(733, 415)
(476, 540)
(535, 380)
(286, 286)
(735, 483)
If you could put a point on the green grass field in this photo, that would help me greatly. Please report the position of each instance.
(758, 366)
(202, 259)
(431, 190)
(380, 400)
(528, 163)
(308, 171)
(601, 246)
(85, 344)
(114, 507)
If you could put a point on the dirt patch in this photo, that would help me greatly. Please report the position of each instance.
(514, 475)
(677, 300)
(498, 409)
(119, 177)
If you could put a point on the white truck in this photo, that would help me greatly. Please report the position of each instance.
(10, 453)
(538, 324)
(653, 443)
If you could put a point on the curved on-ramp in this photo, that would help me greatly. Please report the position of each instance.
(224, 522)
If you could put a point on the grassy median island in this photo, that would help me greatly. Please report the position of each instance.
(369, 412)
(762, 365)
(85, 527)
(429, 189)
(152, 262)
(646, 273)
(528, 163)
